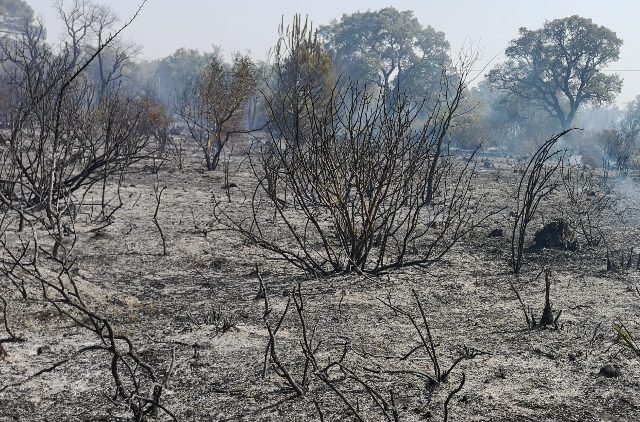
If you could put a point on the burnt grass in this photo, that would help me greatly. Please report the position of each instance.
(165, 303)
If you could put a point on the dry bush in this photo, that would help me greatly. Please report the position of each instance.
(588, 203)
(363, 385)
(539, 179)
(362, 185)
(556, 234)
(66, 134)
(159, 122)
(622, 260)
(222, 321)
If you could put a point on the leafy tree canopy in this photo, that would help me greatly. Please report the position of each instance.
(387, 47)
(559, 66)
(175, 70)
(16, 8)
(14, 14)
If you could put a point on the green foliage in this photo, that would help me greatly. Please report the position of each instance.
(389, 48)
(496, 119)
(300, 57)
(559, 66)
(627, 338)
(175, 70)
(629, 124)
(301, 64)
(15, 17)
(225, 88)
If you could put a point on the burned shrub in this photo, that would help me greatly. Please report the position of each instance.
(538, 180)
(66, 134)
(549, 316)
(622, 260)
(555, 235)
(610, 371)
(215, 317)
(589, 203)
(496, 233)
(365, 186)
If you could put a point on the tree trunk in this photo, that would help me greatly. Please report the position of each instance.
(207, 159)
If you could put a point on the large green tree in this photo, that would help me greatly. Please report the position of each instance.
(559, 66)
(387, 47)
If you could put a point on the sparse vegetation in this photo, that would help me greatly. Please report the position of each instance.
(588, 203)
(547, 317)
(539, 179)
(341, 253)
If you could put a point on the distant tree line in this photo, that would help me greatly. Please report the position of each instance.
(553, 77)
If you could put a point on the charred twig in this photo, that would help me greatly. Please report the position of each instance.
(12, 337)
(547, 317)
(158, 194)
(428, 345)
(53, 367)
(324, 378)
(320, 414)
(450, 396)
(271, 355)
(525, 311)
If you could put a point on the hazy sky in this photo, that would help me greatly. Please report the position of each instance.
(241, 25)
